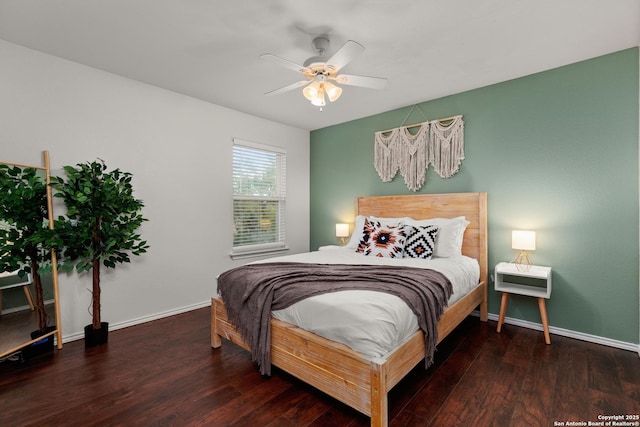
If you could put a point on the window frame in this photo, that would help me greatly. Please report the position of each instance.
(280, 243)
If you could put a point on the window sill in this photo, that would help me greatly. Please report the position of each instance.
(257, 253)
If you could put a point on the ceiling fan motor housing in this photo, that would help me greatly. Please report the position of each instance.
(321, 44)
(317, 63)
(314, 60)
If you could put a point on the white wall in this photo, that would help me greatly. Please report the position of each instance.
(179, 150)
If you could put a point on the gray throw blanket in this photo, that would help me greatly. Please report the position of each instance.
(250, 293)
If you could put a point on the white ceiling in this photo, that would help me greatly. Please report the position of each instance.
(209, 49)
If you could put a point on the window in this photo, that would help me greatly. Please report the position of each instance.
(259, 188)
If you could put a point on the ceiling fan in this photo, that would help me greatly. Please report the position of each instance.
(321, 73)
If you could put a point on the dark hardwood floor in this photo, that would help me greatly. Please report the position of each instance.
(164, 373)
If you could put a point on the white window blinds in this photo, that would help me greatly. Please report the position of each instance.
(259, 198)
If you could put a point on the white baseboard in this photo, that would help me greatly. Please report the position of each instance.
(568, 333)
(508, 320)
(140, 320)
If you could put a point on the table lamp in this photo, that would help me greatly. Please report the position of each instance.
(342, 231)
(523, 240)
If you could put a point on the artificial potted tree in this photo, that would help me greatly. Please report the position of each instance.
(26, 239)
(100, 228)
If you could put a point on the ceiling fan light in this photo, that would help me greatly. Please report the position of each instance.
(311, 91)
(318, 101)
(333, 91)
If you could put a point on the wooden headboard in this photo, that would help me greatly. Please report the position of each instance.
(473, 206)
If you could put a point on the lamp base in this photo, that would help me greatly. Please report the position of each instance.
(522, 261)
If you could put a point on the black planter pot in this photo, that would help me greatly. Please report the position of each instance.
(94, 337)
(39, 347)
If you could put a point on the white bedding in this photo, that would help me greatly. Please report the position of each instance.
(372, 323)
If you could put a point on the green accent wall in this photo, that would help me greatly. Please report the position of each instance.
(557, 152)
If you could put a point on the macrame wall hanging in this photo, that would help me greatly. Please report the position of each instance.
(437, 142)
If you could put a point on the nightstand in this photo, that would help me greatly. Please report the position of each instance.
(536, 282)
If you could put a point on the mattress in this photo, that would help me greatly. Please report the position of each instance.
(372, 323)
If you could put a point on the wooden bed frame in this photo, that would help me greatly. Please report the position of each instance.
(340, 371)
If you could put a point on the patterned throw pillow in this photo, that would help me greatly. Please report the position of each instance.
(381, 240)
(421, 241)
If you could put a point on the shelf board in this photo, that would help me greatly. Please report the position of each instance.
(536, 271)
(520, 289)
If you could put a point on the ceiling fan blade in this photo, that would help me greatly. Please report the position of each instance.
(345, 54)
(363, 81)
(287, 88)
(284, 62)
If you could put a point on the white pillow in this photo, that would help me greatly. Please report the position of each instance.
(358, 226)
(450, 235)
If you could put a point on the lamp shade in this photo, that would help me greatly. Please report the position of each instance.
(342, 230)
(318, 101)
(333, 91)
(311, 91)
(523, 240)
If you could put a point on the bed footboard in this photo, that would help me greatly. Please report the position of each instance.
(338, 370)
(328, 366)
